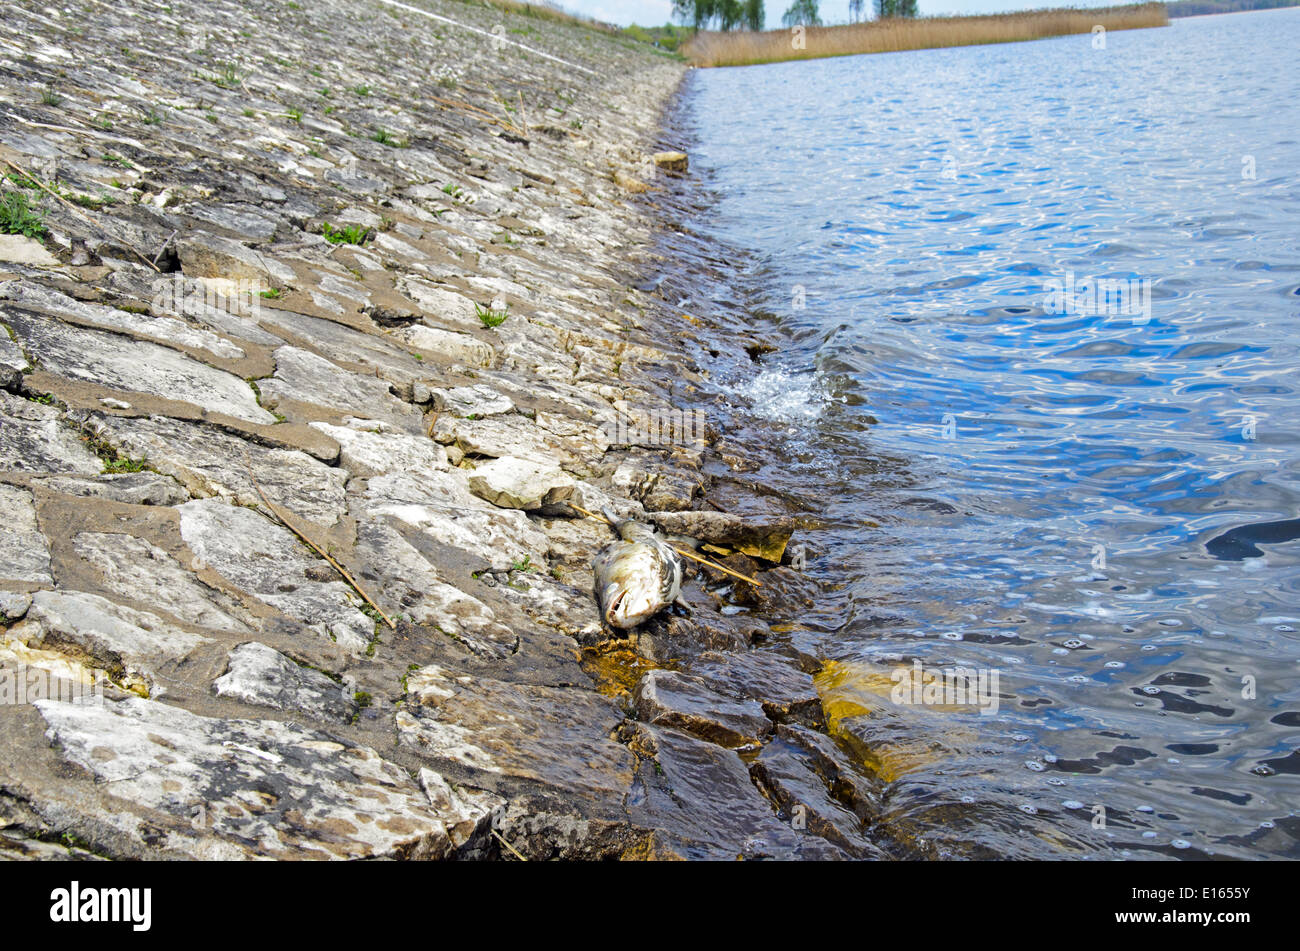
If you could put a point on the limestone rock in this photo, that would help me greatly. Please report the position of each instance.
(512, 483)
(34, 438)
(263, 676)
(671, 161)
(669, 698)
(247, 788)
(24, 553)
(268, 562)
(17, 249)
(766, 539)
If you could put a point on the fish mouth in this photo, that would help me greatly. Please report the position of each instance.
(612, 613)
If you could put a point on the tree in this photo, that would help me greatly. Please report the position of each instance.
(887, 9)
(803, 12)
(729, 14)
(855, 10)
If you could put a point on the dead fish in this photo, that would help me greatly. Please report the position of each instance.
(637, 576)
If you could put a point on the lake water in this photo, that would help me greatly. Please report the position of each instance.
(1094, 504)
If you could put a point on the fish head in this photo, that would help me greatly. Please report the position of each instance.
(625, 606)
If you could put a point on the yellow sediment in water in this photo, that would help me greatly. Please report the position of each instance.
(902, 738)
(615, 667)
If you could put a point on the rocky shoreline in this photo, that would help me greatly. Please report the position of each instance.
(337, 307)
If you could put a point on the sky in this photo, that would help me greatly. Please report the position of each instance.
(658, 12)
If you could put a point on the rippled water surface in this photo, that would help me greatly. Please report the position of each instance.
(1099, 507)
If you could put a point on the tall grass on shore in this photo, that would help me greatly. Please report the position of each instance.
(885, 36)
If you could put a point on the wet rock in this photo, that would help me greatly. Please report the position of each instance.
(783, 772)
(672, 699)
(24, 553)
(550, 735)
(766, 539)
(139, 571)
(687, 785)
(262, 676)
(34, 438)
(786, 693)
(133, 646)
(659, 490)
(16, 249)
(12, 361)
(122, 363)
(244, 788)
(520, 484)
(671, 161)
(268, 562)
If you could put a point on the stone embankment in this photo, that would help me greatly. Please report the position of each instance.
(325, 312)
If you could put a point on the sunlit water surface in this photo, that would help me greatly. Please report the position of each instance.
(1083, 502)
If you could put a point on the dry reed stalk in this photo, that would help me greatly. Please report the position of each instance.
(896, 35)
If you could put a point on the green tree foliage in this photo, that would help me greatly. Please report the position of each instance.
(886, 9)
(802, 12)
(724, 14)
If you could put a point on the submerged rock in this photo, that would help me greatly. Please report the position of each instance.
(766, 539)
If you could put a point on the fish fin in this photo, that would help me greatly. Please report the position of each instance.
(680, 603)
(683, 541)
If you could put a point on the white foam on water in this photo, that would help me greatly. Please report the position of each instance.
(785, 397)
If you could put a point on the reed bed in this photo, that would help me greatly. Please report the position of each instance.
(887, 36)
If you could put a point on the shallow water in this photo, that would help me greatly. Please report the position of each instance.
(1099, 508)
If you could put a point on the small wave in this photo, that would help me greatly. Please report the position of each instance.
(782, 396)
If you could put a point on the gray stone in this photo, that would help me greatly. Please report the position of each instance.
(669, 698)
(307, 378)
(16, 249)
(520, 484)
(477, 400)
(267, 561)
(34, 438)
(24, 552)
(122, 363)
(209, 462)
(133, 646)
(208, 255)
(766, 539)
(12, 360)
(130, 488)
(366, 454)
(263, 676)
(247, 788)
(13, 605)
(138, 571)
(467, 811)
(449, 345)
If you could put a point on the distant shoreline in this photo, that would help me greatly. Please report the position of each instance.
(709, 49)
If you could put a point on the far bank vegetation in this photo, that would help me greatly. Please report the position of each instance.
(899, 31)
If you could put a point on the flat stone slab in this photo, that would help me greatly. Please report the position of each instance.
(24, 552)
(268, 562)
(766, 539)
(669, 698)
(129, 644)
(209, 462)
(17, 249)
(130, 488)
(122, 363)
(262, 676)
(307, 378)
(34, 438)
(247, 788)
(138, 571)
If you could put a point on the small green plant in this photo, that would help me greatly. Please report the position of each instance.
(249, 114)
(18, 217)
(525, 565)
(151, 116)
(228, 78)
(491, 318)
(453, 190)
(350, 234)
(273, 294)
(363, 699)
(295, 114)
(362, 91)
(384, 137)
(575, 124)
(50, 96)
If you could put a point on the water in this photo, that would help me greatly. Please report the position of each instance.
(1082, 502)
